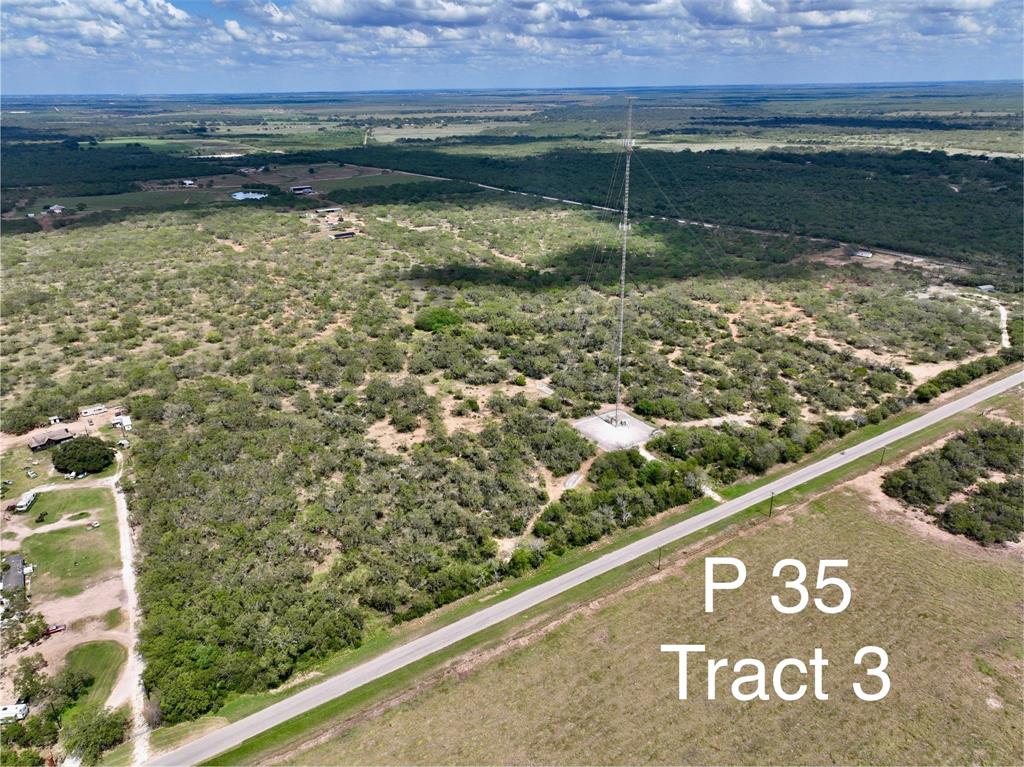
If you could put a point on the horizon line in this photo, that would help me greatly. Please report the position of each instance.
(535, 89)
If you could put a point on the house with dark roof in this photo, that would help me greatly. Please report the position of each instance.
(49, 438)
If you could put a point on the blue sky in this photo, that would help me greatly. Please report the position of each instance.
(192, 46)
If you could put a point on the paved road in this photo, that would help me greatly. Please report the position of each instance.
(208, 746)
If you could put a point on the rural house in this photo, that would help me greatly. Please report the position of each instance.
(49, 438)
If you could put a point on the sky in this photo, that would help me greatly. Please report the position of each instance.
(232, 46)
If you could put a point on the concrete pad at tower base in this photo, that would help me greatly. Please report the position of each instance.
(630, 432)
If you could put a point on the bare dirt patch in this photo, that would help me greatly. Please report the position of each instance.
(393, 441)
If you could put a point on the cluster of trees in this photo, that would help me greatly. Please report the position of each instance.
(731, 450)
(65, 167)
(435, 318)
(242, 583)
(962, 375)
(404, 192)
(20, 624)
(990, 514)
(628, 490)
(90, 732)
(89, 454)
(874, 198)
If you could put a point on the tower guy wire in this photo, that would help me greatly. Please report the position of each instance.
(622, 265)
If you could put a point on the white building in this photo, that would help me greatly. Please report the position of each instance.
(85, 412)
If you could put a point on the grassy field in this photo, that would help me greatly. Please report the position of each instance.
(67, 561)
(947, 619)
(56, 505)
(102, 660)
(148, 200)
(13, 465)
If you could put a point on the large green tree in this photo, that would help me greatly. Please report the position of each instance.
(89, 454)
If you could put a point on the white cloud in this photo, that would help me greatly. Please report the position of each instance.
(235, 31)
(26, 46)
(679, 34)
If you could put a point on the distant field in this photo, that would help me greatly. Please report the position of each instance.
(193, 145)
(597, 690)
(387, 134)
(990, 142)
(150, 200)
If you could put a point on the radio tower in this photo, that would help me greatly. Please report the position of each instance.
(624, 226)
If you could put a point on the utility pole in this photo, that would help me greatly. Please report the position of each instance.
(882, 458)
(771, 505)
(622, 266)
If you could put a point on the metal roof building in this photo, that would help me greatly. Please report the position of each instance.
(14, 573)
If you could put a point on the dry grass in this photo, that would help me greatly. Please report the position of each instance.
(597, 690)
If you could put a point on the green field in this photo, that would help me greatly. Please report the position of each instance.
(597, 690)
(55, 505)
(67, 561)
(102, 660)
(13, 465)
(156, 199)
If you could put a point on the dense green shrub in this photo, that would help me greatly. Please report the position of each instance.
(731, 450)
(89, 454)
(992, 514)
(962, 375)
(882, 194)
(629, 489)
(437, 318)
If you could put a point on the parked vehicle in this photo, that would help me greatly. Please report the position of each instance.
(26, 502)
(55, 629)
(13, 712)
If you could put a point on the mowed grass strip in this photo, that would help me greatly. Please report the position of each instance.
(102, 660)
(69, 560)
(597, 690)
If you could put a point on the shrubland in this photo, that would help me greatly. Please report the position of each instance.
(988, 512)
(334, 436)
